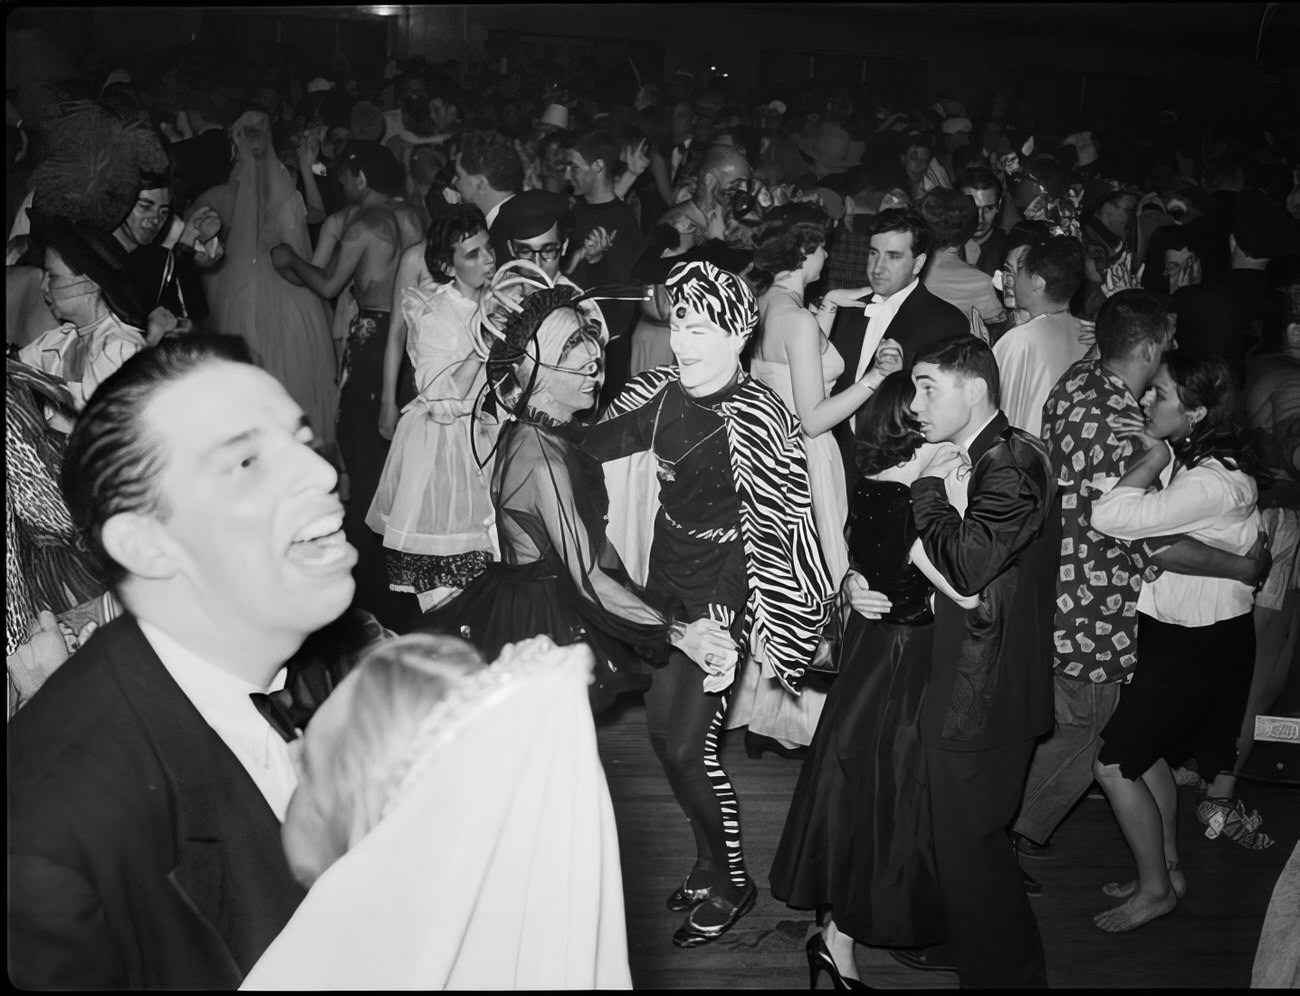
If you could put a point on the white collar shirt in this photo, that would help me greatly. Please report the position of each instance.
(880, 312)
(222, 699)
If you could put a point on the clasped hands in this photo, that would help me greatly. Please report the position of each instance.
(707, 643)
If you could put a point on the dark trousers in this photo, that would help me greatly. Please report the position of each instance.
(685, 724)
(974, 796)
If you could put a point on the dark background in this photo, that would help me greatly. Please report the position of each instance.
(1192, 58)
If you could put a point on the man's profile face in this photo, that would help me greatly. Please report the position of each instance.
(1115, 214)
(580, 173)
(466, 186)
(987, 203)
(254, 525)
(916, 160)
(353, 189)
(152, 211)
(891, 266)
(943, 402)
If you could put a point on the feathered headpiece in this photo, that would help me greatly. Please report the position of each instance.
(95, 165)
(511, 314)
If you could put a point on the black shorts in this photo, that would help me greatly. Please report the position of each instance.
(1189, 688)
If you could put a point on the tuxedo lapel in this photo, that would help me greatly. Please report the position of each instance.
(847, 335)
(214, 795)
(991, 434)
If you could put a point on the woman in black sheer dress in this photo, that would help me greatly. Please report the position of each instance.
(857, 844)
(558, 574)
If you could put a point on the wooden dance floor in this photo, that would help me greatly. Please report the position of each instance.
(1209, 941)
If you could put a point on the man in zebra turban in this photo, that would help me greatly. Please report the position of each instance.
(733, 539)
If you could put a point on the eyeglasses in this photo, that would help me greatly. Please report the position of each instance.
(548, 252)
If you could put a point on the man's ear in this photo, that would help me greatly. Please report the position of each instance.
(1232, 242)
(977, 390)
(1040, 283)
(140, 544)
(918, 263)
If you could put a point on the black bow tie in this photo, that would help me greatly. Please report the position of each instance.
(275, 712)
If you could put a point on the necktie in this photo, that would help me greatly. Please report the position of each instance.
(275, 712)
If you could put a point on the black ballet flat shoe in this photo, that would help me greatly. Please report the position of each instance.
(686, 898)
(820, 960)
(756, 745)
(691, 934)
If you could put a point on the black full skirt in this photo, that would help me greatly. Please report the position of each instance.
(858, 837)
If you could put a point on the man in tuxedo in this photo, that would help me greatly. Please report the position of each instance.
(148, 777)
(899, 307)
(990, 692)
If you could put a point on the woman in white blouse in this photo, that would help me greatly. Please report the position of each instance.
(1196, 641)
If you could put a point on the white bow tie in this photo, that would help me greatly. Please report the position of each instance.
(873, 309)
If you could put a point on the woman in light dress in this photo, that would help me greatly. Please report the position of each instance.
(433, 506)
(792, 356)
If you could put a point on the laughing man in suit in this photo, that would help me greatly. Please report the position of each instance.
(146, 788)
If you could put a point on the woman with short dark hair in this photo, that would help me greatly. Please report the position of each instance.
(432, 505)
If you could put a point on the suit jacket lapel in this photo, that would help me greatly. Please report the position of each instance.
(847, 335)
(991, 434)
(211, 788)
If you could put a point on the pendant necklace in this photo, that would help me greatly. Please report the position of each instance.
(665, 469)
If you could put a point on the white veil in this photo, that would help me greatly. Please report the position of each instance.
(497, 865)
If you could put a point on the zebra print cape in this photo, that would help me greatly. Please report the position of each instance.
(790, 587)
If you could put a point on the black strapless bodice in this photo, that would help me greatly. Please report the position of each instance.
(881, 532)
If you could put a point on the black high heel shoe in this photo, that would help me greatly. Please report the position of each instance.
(820, 960)
(756, 745)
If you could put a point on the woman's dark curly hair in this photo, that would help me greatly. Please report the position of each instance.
(786, 237)
(890, 432)
(1204, 379)
(458, 223)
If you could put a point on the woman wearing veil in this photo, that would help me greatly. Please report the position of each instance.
(558, 574)
(287, 327)
(454, 827)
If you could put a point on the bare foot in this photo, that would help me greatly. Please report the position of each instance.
(1141, 909)
(1123, 890)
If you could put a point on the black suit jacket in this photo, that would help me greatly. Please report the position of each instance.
(991, 670)
(922, 320)
(141, 853)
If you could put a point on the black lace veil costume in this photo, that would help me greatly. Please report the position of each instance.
(558, 574)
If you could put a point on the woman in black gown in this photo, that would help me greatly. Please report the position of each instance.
(857, 844)
(558, 575)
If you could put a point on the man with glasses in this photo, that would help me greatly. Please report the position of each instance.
(534, 226)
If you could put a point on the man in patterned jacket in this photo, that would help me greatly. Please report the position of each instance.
(739, 547)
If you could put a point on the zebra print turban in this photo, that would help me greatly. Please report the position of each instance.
(722, 297)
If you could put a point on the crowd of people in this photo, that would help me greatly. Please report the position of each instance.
(366, 439)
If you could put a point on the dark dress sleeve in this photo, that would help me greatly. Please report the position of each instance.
(566, 494)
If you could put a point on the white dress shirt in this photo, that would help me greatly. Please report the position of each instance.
(222, 700)
(1031, 358)
(880, 312)
(1208, 502)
